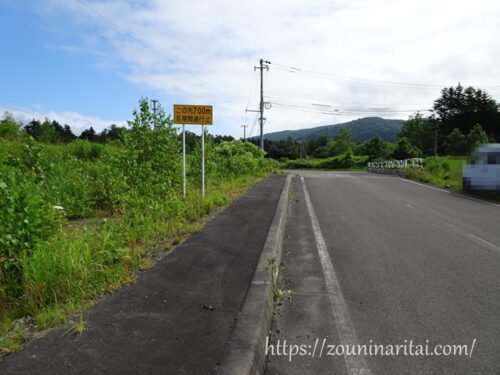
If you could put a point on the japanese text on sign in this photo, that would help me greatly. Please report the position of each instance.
(193, 114)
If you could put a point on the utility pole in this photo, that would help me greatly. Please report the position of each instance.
(155, 102)
(302, 151)
(263, 65)
(244, 132)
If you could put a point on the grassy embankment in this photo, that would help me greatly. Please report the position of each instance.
(342, 162)
(81, 220)
(445, 172)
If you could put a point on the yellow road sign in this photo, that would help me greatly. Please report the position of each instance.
(193, 114)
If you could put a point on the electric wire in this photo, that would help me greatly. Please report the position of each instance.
(145, 45)
(251, 89)
(345, 111)
(253, 125)
(307, 72)
(273, 96)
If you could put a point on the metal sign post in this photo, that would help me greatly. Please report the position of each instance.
(194, 115)
(184, 160)
(203, 160)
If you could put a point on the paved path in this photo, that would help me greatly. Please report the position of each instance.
(407, 262)
(157, 325)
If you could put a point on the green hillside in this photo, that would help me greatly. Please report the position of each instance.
(362, 130)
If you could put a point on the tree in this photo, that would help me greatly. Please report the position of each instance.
(67, 135)
(342, 143)
(191, 140)
(376, 149)
(315, 143)
(456, 143)
(47, 132)
(114, 133)
(9, 128)
(216, 139)
(403, 149)
(477, 136)
(89, 135)
(421, 132)
(33, 128)
(153, 149)
(463, 108)
(284, 149)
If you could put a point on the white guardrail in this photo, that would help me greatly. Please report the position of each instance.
(394, 166)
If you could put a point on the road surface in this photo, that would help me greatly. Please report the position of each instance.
(373, 259)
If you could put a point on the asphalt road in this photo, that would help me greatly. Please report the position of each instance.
(389, 260)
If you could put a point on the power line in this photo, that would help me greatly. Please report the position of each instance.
(296, 70)
(273, 96)
(305, 110)
(251, 89)
(358, 80)
(144, 44)
(368, 108)
(253, 124)
(334, 108)
(328, 110)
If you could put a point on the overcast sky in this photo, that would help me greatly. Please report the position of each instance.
(88, 65)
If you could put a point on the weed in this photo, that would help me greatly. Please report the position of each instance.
(79, 326)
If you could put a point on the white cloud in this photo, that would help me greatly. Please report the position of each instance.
(77, 121)
(205, 51)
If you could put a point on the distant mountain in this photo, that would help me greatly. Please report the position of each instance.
(362, 130)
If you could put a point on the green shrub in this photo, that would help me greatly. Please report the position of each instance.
(436, 166)
(84, 150)
(25, 219)
(344, 161)
(10, 129)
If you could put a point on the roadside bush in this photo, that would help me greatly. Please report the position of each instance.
(436, 166)
(26, 218)
(235, 158)
(344, 161)
(70, 185)
(152, 160)
(84, 150)
(226, 160)
(441, 171)
(347, 161)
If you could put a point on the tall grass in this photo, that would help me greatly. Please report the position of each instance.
(79, 220)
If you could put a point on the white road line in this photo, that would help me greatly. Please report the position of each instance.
(477, 200)
(427, 186)
(454, 193)
(356, 365)
(484, 242)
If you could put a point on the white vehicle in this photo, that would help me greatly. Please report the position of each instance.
(483, 170)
